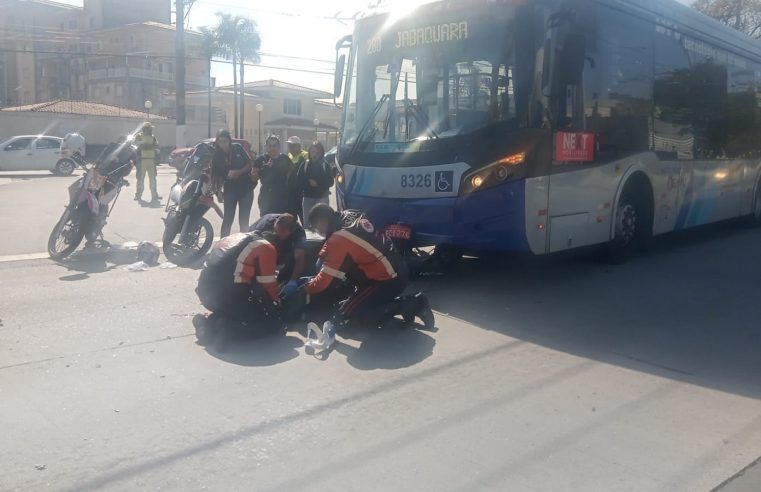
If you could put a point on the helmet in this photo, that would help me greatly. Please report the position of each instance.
(294, 140)
(74, 143)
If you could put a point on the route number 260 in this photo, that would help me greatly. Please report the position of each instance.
(416, 181)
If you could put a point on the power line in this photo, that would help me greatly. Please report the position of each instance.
(156, 56)
(167, 57)
(337, 17)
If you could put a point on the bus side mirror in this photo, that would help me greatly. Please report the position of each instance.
(339, 76)
(570, 62)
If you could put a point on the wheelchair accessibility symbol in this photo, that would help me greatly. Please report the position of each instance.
(444, 181)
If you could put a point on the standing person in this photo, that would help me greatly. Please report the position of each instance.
(272, 169)
(314, 178)
(232, 164)
(147, 145)
(298, 158)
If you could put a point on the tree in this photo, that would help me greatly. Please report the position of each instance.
(743, 15)
(209, 49)
(227, 37)
(249, 43)
(238, 41)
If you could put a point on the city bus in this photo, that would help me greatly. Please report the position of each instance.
(548, 125)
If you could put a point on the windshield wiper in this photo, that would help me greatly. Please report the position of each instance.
(371, 120)
(421, 118)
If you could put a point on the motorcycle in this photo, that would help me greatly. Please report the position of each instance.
(188, 236)
(422, 261)
(88, 209)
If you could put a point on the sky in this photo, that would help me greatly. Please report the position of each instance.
(288, 28)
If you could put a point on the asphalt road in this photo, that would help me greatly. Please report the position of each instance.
(545, 374)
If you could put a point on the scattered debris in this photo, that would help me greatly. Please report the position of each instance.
(41, 467)
(140, 266)
(166, 265)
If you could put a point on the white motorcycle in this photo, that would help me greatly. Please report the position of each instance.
(89, 199)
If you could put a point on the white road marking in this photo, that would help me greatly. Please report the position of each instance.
(45, 256)
(26, 257)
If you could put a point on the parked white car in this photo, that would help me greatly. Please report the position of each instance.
(34, 153)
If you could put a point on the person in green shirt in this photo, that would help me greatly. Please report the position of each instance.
(147, 145)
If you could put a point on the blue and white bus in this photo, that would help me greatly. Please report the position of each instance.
(546, 125)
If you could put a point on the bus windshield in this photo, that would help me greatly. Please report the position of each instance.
(433, 80)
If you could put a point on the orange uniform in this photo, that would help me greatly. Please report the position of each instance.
(356, 253)
(258, 263)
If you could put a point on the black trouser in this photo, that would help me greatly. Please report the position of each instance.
(369, 300)
(241, 199)
(242, 304)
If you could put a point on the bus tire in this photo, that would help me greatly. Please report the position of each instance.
(632, 221)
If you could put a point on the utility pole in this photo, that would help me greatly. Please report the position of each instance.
(179, 76)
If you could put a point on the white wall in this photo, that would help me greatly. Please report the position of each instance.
(98, 130)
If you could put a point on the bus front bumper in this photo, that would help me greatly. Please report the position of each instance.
(488, 220)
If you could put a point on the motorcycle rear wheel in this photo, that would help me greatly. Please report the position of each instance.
(66, 235)
(199, 242)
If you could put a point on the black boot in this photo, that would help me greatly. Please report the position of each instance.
(425, 313)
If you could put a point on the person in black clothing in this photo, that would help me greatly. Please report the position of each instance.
(314, 178)
(291, 248)
(232, 165)
(272, 169)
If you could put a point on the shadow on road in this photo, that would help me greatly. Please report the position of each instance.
(688, 308)
(97, 260)
(388, 348)
(263, 352)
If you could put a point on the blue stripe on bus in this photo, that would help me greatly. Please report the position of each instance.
(684, 211)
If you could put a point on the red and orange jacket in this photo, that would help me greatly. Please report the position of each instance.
(356, 253)
(257, 263)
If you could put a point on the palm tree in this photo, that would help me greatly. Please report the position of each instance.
(227, 36)
(237, 40)
(209, 49)
(249, 43)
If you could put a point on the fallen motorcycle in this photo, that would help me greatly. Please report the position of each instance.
(92, 199)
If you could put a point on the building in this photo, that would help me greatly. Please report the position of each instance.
(104, 14)
(36, 38)
(134, 63)
(286, 110)
(111, 51)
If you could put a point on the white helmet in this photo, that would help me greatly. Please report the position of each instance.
(74, 143)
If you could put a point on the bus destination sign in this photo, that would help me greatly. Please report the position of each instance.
(430, 35)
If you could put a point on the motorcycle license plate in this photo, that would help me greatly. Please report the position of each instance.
(398, 231)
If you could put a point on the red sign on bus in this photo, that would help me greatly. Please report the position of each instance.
(574, 147)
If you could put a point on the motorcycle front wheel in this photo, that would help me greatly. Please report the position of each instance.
(66, 235)
(197, 242)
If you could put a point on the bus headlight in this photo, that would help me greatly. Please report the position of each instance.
(495, 173)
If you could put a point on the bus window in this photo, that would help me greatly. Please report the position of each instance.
(618, 89)
(673, 132)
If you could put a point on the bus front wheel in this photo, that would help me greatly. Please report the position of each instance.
(631, 225)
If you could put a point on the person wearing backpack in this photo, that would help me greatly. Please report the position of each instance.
(314, 178)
